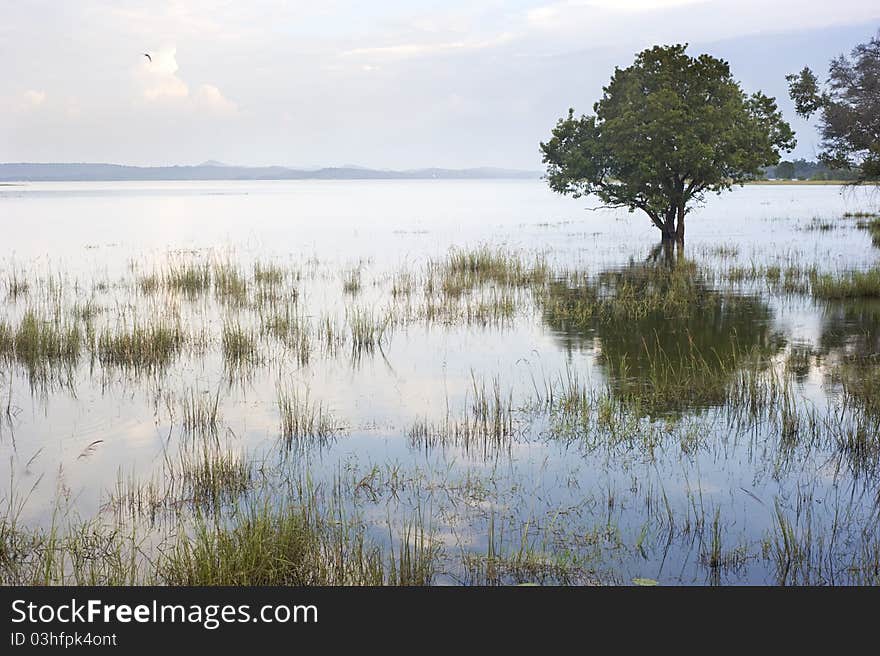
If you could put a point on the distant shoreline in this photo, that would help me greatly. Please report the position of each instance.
(806, 182)
(100, 172)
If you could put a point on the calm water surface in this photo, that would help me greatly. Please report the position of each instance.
(628, 512)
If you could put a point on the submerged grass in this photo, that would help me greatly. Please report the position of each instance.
(201, 413)
(368, 329)
(239, 346)
(684, 367)
(151, 347)
(854, 284)
(301, 418)
(38, 342)
(486, 425)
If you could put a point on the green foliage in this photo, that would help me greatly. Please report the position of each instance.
(801, 169)
(668, 129)
(785, 170)
(849, 106)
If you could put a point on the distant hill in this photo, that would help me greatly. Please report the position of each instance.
(212, 170)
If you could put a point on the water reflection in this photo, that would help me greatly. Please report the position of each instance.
(850, 348)
(662, 333)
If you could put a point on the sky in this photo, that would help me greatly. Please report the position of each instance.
(385, 84)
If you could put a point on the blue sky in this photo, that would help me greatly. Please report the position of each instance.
(383, 84)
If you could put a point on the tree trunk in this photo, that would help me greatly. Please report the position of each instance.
(679, 229)
(668, 229)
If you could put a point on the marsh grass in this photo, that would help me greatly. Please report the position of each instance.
(205, 475)
(149, 284)
(208, 475)
(301, 418)
(530, 562)
(138, 347)
(238, 344)
(597, 419)
(859, 378)
(415, 562)
(403, 284)
(367, 329)
(689, 399)
(293, 329)
(67, 552)
(351, 282)
(331, 334)
(854, 284)
(40, 340)
(201, 413)
(872, 225)
(633, 293)
(191, 279)
(273, 544)
(467, 268)
(294, 541)
(486, 425)
(230, 284)
(268, 274)
(17, 286)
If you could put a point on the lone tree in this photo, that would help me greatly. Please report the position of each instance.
(668, 129)
(850, 109)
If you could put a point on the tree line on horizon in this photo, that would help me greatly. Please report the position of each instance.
(804, 169)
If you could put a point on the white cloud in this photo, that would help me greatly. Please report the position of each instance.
(158, 76)
(406, 50)
(558, 12)
(209, 97)
(160, 83)
(468, 83)
(32, 99)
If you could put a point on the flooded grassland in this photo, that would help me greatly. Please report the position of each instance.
(436, 383)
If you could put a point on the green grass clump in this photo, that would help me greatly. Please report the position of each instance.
(854, 284)
(189, 278)
(301, 418)
(230, 285)
(150, 347)
(208, 475)
(265, 545)
(268, 274)
(7, 340)
(872, 225)
(201, 413)
(368, 330)
(486, 426)
(239, 346)
(464, 270)
(38, 343)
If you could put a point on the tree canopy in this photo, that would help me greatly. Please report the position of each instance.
(849, 106)
(667, 130)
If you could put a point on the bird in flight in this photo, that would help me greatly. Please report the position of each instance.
(148, 57)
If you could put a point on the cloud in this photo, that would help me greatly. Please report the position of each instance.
(558, 11)
(209, 97)
(159, 78)
(160, 83)
(407, 50)
(31, 99)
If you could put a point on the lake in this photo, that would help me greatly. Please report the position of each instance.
(516, 386)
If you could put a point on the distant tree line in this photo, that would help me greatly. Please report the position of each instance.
(802, 169)
(848, 108)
